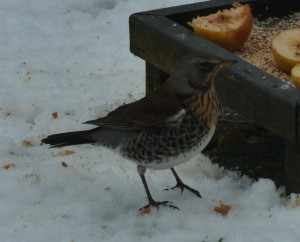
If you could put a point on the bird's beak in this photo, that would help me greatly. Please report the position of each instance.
(220, 65)
(225, 63)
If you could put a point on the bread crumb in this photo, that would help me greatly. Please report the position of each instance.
(222, 209)
(65, 152)
(8, 166)
(54, 115)
(145, 211)
(26, 143)
(64, 164)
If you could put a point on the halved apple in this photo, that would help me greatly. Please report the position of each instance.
(286, 49)
(296, 75)
(229, 28)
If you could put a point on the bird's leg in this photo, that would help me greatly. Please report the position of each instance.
(181, 185)
(152, 203)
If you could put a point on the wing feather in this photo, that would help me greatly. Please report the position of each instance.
(160, 108)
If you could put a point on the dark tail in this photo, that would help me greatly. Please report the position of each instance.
(71, 138)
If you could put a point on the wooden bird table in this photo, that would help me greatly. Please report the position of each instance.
(161, 37)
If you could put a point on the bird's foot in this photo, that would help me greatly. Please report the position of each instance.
(182, 186)
(156, 205)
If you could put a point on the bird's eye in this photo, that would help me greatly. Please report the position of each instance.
(205, 65)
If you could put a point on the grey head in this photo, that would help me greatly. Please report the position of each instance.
(195, 73)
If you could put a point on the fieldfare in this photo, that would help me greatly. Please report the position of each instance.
(167, 127)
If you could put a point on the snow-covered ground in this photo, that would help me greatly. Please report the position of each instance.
(65, 62)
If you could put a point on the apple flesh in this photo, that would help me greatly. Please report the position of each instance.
(229, 28)
(286, 49)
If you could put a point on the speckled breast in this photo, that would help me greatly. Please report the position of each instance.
(169, 146)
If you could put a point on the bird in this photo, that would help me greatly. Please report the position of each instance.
(167, 127)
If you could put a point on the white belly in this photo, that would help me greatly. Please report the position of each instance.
(172, 161)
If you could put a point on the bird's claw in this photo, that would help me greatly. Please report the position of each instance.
(182, 186)
(158, 204)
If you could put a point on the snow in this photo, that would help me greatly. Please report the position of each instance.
(71, 59)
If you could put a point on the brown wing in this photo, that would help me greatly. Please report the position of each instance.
(159, 108)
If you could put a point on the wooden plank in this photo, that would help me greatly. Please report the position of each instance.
(269, 102)
(162, 37)
(154, 77)
(260, 8)
(292, 168)
(298, 124)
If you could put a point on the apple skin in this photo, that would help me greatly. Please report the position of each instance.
(286, 49)
(295, 73)
(229, 28)
(283, 63)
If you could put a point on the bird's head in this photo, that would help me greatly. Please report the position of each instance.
(195, 73)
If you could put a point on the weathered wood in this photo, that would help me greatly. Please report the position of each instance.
(292, 168)
(269, 102)
(154, 77)
(161, 37)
